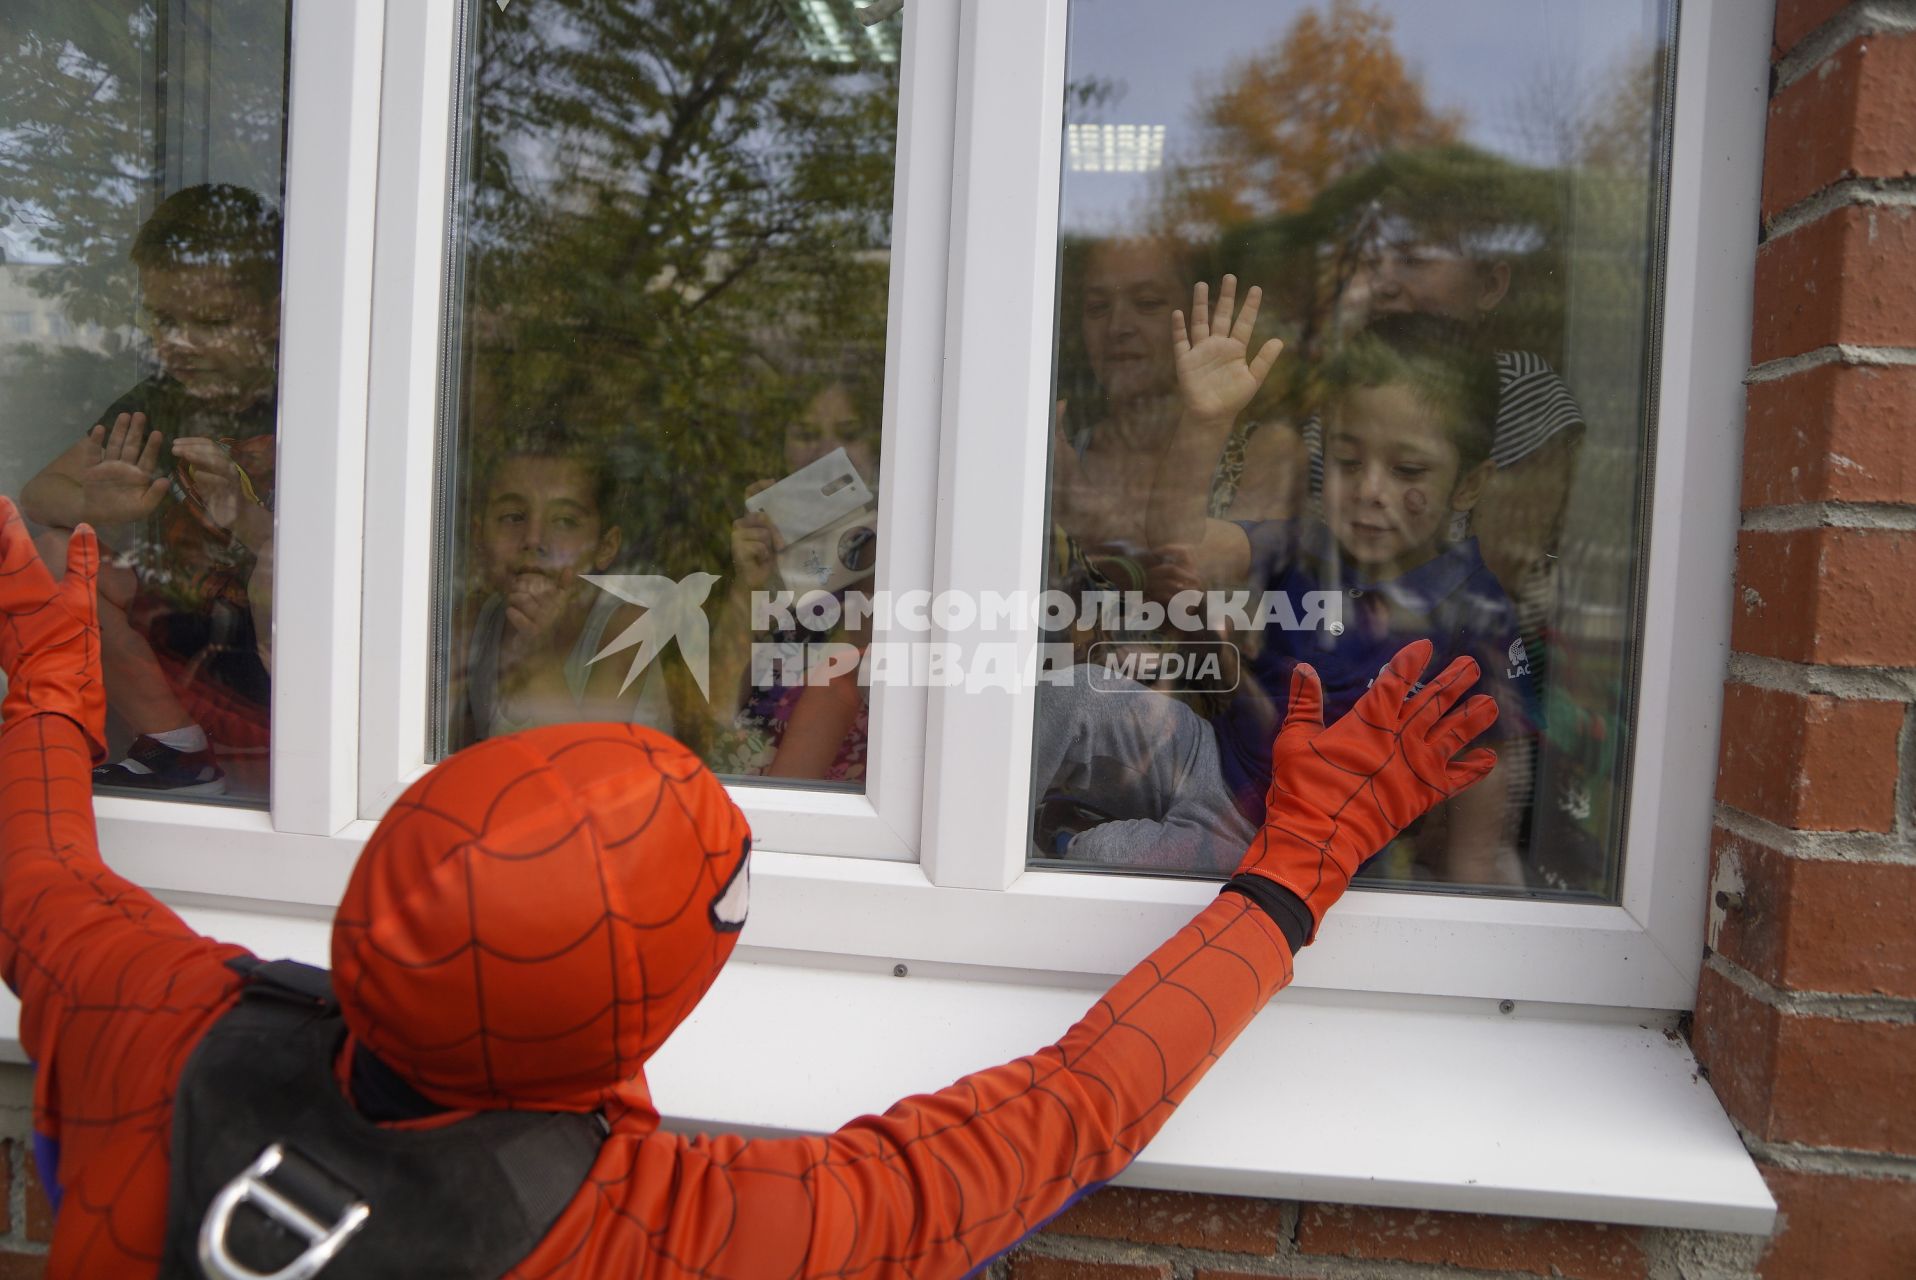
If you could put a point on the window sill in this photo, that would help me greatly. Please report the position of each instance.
(1442, 1104)
(1327, 1096)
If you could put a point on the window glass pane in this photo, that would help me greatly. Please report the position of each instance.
(1452, 212)
(142, 154)
(666, 395)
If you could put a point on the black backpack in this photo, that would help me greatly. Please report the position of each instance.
(275, 1174)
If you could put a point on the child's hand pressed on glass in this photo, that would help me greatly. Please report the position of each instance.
(121, 481)
(1215, 379)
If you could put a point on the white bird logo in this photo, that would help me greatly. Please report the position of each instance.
(673, 610)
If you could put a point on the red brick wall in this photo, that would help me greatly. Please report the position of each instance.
(1806, 1015)
(26, 1221)
(1165, 1235)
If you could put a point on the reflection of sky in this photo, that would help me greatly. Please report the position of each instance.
(1476, 57)
(16, 247)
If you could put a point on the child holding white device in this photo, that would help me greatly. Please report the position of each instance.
(813, 531)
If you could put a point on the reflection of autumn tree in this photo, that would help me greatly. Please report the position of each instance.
(1621, 134)
(1327, 99)
(671, 202)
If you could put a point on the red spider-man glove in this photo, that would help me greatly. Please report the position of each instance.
(1340, 794)
(50, 631)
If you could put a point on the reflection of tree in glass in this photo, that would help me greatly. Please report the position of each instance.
(1325, 100)
(83, 154)
(1086, 98)
(1453, 197)
(670, 200)
(1601, 123)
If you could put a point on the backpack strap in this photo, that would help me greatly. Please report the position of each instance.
(286, 979)
(277, 1176)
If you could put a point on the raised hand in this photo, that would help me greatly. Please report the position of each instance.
(121, 482)
(50, 631)
(1214, 377)
(1340, 794)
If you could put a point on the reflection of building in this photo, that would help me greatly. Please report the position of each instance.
(1114, 148)
(28, 316)
(55, 373)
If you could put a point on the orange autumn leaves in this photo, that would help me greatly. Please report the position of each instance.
(1326, 100)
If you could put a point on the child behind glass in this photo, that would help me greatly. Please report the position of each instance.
(547, 518)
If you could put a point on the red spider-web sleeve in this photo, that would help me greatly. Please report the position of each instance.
(941, 1183)
(114, 989)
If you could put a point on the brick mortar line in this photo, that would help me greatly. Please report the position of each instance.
(1868, 684)
(1849, 193)
(1185, 1259)
(1797, 516)
(1800, 1158)
(1841, 353)
(1894, 1010)
(1866, 18)
(1892, 849)
(1055, 1243)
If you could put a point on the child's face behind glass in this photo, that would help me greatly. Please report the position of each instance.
(1432, 279)
(1130, 289)
(211, 333)
(831, 420)
(542, 527)
(1391, 480)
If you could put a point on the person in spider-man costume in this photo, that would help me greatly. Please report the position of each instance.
(535, 916)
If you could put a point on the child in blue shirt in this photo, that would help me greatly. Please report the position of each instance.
(1408, 408)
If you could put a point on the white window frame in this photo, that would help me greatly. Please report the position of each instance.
(982, 311)
(937, 878)
(325, 344)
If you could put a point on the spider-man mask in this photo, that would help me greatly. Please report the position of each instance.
(535, 915)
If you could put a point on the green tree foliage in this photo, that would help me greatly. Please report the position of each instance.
(1453, 195)
(109, 105)
(675, 210)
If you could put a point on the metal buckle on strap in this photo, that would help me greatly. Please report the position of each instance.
(323, 1240)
